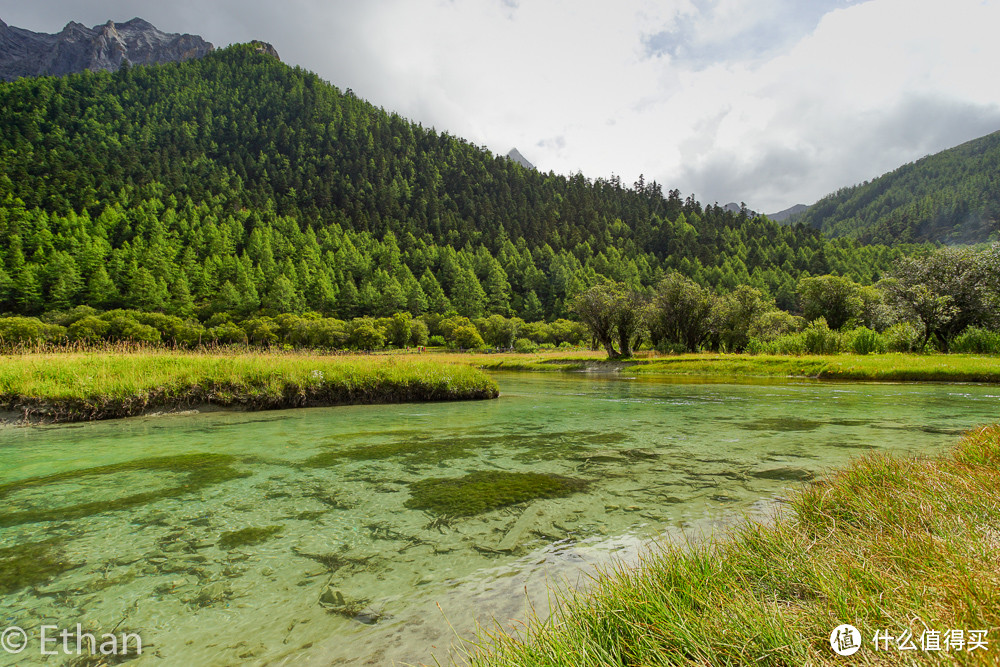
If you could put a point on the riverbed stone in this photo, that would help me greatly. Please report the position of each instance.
(784, 474)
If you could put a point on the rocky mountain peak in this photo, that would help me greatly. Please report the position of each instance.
(516, 156)
(104, 47)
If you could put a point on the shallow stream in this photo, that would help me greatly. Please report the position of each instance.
(380, 534)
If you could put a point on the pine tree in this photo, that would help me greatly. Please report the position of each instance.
(28, 290)
(181, 303)
(497, 290)
(437, 302)
(281, 297)
(467, 295)
(347, 300)
(416, 299)
(101, 290)
(533, 310)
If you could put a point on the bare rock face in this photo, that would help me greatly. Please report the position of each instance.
(265, 48)
(78, 48)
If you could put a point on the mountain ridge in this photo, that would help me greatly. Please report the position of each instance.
(951, 197)
(77, 48)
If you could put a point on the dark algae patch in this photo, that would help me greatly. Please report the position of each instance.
(199, 471)
(418, 451)
(247, 537)
(31, 564)
(432, 451)
(483, 491)
(782, 424)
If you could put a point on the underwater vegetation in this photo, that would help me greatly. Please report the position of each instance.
(199, 470)
(247, 537)
(429, 451)
(30, 564)
(486, 490)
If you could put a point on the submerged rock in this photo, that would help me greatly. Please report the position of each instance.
(334, 601)
(212, 594)
(785, 474)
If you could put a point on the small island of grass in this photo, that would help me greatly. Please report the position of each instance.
(64, 387)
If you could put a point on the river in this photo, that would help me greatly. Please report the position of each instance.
(382, 534)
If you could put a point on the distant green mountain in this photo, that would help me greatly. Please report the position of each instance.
(951, 197)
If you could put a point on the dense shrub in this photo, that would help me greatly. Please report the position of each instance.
(365, 335)
(228, 333)
(88, 329)
(29, 331)
(820, 339)
(975, 340)
(122, 327)
(466, 337)
(902, 337)
(865, 341)
(525, 346)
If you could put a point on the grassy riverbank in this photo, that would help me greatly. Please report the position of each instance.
(888, 544)
(875, 367)
(59, 387)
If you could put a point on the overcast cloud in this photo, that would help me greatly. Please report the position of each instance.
(771, 102)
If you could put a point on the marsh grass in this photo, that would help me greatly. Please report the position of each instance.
(888, 543)
(894, 367)
(73, 386)
(876, 367)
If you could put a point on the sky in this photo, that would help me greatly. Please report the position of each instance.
(767, 102)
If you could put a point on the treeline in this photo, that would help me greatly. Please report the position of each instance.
(85, 326)
(948, 301)
(951, 197)
(198, 261)
(236, 185)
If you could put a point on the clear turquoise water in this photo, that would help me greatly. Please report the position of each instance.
(661, 459)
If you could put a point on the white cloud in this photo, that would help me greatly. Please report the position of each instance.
(772, 102)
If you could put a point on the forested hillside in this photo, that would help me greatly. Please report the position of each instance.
(951, 197)
(235, 184)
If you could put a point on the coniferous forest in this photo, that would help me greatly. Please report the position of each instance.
(234, 186)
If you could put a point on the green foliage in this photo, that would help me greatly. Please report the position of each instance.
(525, 346)
(975, 340)
(903, 337)
(736, 316)
(614, 313)
(465, 337)
(818, 338)
(680, 313)
(28, 331)
(834, 298)
(945, 292)
(864, 341)
(365, 335)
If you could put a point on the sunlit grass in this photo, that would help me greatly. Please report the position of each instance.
(887, 544)
(875, 367)
(100, 384)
